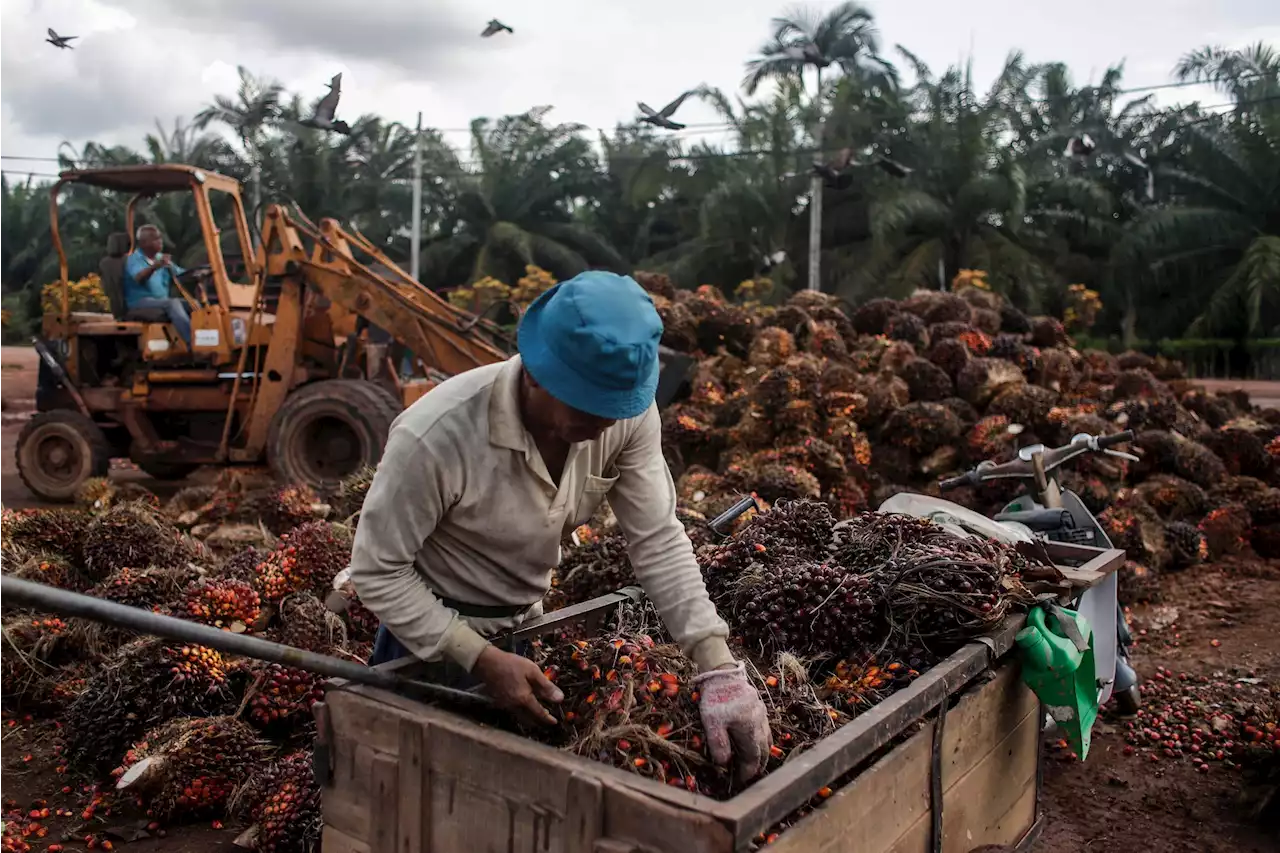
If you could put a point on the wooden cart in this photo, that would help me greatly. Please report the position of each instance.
(949, 763)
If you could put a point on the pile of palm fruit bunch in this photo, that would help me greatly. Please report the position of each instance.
(186, 732)
(813, 399)
(831, 616)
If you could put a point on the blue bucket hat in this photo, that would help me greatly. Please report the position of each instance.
(592, 343)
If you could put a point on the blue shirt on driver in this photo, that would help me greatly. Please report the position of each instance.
(155, 287)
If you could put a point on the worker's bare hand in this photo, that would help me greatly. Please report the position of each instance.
(734, 719)
(516, 684)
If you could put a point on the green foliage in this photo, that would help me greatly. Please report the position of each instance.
(1175, 214)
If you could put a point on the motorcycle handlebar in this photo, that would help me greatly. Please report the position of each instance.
(1106, 441)
(1020, 468)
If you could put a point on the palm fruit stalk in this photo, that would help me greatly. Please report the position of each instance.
(189, 768)
(352, 492)
(1187, 545)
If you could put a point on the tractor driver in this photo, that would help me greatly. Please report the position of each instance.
(483, 477)
(148, 275)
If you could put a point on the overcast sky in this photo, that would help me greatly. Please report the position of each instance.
(137, 61)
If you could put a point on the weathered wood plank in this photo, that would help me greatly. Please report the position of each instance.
(385, 805)
(872, 813)
(333, 840)
(981, 719)
(414, 825)
(583, 825)
(978, 801)
(632, 816)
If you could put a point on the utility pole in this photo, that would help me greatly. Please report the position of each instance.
(815, 200)
(415, 238)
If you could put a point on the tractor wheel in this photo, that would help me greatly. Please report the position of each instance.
(167, 470)
(58, 451)
(328, 430)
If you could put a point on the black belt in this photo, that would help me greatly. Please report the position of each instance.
(487, 611)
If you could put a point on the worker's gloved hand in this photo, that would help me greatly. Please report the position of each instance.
(734, 718)
(515, 684)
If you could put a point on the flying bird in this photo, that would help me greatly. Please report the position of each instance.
(495, 26)
(662, 118)
(835, 172)
(63, 42)
(323, 118)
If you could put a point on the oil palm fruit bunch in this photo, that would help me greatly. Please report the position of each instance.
(922, 428)
(34, 648)
(1264, 507)
(98, 494)
(983, 378)
(130, 535)
(281, 697)
(223, 602)
(189, 768)
(993, 437)
(873, 316)
(288, 507)
(1173, 498)
(806, 607)
(1135, 528)
(50, 570)
(1092, 490)
(1013, 348)
(1197, 463)
(1241, 451)
(147, 589)
(927, 381)
(307, 558)
(61, 532)
(855, 684)
(909, 328)
(790, 531)
(1028, 405)
(305, 623)
(242, 564)
(1137, 583)
(146, 683)
(189, 499)
(594, 568)
(283, 803)
(950, 355)
(352, 492)
(1235, 490)
(1187, 545)
(1226, 530)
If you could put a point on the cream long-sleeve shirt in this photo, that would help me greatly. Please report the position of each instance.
(462, 507)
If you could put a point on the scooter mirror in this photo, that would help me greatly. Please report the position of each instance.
(1029, 451)
(1080, 437)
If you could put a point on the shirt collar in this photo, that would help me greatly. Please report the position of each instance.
(506, 427)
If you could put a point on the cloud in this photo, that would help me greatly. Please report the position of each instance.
(421, 38)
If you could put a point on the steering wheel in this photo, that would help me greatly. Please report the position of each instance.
(190, 276)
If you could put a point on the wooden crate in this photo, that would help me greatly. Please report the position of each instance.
(403, 777)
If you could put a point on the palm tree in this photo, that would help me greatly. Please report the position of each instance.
(965, 203)
(255, 104)
(517, 207)
(636, 208)
(845, 38)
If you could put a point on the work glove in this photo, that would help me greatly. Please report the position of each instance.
(734, 719)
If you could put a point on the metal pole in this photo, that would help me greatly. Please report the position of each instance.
(415, 237)
(815, 201)
(65, 603)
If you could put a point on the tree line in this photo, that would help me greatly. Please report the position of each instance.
(1171, 214)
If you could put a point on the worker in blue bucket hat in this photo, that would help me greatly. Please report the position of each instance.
(483, 477)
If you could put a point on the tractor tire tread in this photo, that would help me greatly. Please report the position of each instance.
(100, 450)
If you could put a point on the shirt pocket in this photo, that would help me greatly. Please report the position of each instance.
(594, 491)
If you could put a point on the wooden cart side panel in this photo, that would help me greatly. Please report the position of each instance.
(877, 811)
(990, 745)
(981, 719)
(336, 841)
